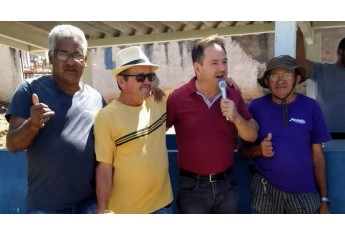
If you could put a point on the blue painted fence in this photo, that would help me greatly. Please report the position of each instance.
(12, 182)
(13, 178)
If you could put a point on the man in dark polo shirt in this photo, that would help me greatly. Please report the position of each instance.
(206, 126)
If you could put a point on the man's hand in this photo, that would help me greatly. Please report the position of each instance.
(266, 146)
(228, 108)
(231, 82)
(324, 209)
(40, 113)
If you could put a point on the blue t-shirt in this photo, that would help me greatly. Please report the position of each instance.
(61, 160)
(291, 167)
(330, 93)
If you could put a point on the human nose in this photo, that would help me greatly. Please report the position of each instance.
(281, 77)
(70, 59)
(147, 81)
(223, 67)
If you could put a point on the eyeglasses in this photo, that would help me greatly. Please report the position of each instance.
(141, 77)
(285, 76)
(63, 56)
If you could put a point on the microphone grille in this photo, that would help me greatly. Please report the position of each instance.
(222, 84)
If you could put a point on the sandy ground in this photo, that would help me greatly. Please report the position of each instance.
(3, 130)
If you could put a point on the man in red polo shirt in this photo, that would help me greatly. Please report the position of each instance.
(206, 126)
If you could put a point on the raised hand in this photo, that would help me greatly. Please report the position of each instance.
(40, 113)
(267, 147)
(231, 82)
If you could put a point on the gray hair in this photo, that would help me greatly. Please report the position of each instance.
(66, 31)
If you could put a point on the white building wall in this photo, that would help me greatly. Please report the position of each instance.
(176, 69)
(247, 56)
(10, 72)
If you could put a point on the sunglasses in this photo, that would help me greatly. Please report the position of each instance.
(141, 77)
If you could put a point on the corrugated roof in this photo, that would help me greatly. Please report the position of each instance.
(31, 36)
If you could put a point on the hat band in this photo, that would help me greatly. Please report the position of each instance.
(134, 62)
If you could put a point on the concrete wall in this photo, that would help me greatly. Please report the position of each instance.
(247, 56)
(10, 72)
(329, 43)
(176, 67)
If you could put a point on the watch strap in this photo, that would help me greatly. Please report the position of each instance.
(325, 199)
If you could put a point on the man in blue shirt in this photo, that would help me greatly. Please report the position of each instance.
(329, 79)
(52, 117)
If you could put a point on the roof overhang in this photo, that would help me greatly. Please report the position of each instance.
(31, 36)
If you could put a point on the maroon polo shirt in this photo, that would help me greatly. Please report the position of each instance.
(205, 139)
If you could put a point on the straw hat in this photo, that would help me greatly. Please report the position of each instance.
(129, 57)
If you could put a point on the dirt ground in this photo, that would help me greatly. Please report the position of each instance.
(3, 130)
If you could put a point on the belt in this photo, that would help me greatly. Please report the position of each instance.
(209, 178)
(337, 135)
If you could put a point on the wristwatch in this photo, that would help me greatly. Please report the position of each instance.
(325, 199)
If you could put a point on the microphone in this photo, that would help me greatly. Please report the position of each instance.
(222, 86)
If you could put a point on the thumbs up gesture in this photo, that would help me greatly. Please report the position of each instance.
(266, 146)
(35, 99)
(40, 113)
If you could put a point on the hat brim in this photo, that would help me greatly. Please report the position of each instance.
(118, 70)
(300, 70)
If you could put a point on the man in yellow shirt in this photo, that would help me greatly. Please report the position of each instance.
(132, 174)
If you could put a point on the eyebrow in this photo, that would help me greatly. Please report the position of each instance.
(63, 50)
